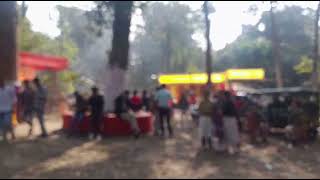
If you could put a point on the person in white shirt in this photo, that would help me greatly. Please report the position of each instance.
(7, 101)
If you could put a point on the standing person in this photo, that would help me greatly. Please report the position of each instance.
(80, 110)
(256, 123)
(164, 99)
(136, 101)
(217, 118)
(205, 122)
(96, 103)
(311, 109)
(184, 107)
(145, 100)
(297, 130)
(40, 100)
(7, 100)
(122, 110)
(27, 102)
(230, 120)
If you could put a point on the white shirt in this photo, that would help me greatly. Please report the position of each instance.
(7, 98)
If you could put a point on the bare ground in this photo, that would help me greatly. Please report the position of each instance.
(149, 157)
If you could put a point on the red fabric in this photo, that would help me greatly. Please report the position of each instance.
(43, 62)
(136, 100)
(113, 126)
(84, 127)
(238, 104)
(193, 99)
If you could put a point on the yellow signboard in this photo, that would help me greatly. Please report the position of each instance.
(218, 77)
(202, 78)
(245, 74)
(191, 78)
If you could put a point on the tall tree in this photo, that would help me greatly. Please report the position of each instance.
(8, 44)
(316, 50)
(275, 46)
(207, 35)
(24, 9)
(119, 56)
(253, 48)
(151, 45)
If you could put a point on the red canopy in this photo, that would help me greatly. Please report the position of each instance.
(43, 62)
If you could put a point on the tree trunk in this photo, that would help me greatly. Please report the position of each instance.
(275, 49)
(168, 53)
(315, 75)
(8, 44)
(116, 80)
(208, 52)
(24, 9)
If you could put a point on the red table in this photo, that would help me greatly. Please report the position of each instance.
(113, 126)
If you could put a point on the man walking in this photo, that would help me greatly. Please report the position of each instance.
(40, 100)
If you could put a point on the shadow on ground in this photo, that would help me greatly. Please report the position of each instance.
(152, 157)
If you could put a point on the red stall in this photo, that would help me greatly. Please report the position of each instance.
(30, 64)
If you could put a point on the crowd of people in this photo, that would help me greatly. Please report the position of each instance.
(220, 116)
(26, 102)
(125, 108)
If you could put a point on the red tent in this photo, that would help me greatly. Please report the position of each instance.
(43, 62)
(29, 64)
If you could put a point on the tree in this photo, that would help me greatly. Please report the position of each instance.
(207, 35)
(253, 48)
(119, 55)
(8, 44)
(91, 57)
(37, 42)
(154, 53)
(275, 46)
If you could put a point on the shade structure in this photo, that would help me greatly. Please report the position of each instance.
(42, 62)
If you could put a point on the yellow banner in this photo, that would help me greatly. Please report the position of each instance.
(202, 78)
(246, 74)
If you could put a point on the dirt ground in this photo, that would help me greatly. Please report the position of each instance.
(149, 157)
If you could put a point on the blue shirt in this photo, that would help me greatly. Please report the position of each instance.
(7, 98)
(164, 98)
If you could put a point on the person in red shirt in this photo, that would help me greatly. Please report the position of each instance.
(136, 102)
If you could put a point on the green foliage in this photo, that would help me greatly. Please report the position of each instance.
(37, 42)
(253, 48)
(305, 66)
(166, 44)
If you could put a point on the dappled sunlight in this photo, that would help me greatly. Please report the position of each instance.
(76, 157)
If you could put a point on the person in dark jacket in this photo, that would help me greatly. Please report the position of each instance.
(231, 126)
(184, 106)
(146, 100)
(26, 102)
(40, 101)
(96, 104)
(80, 110)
